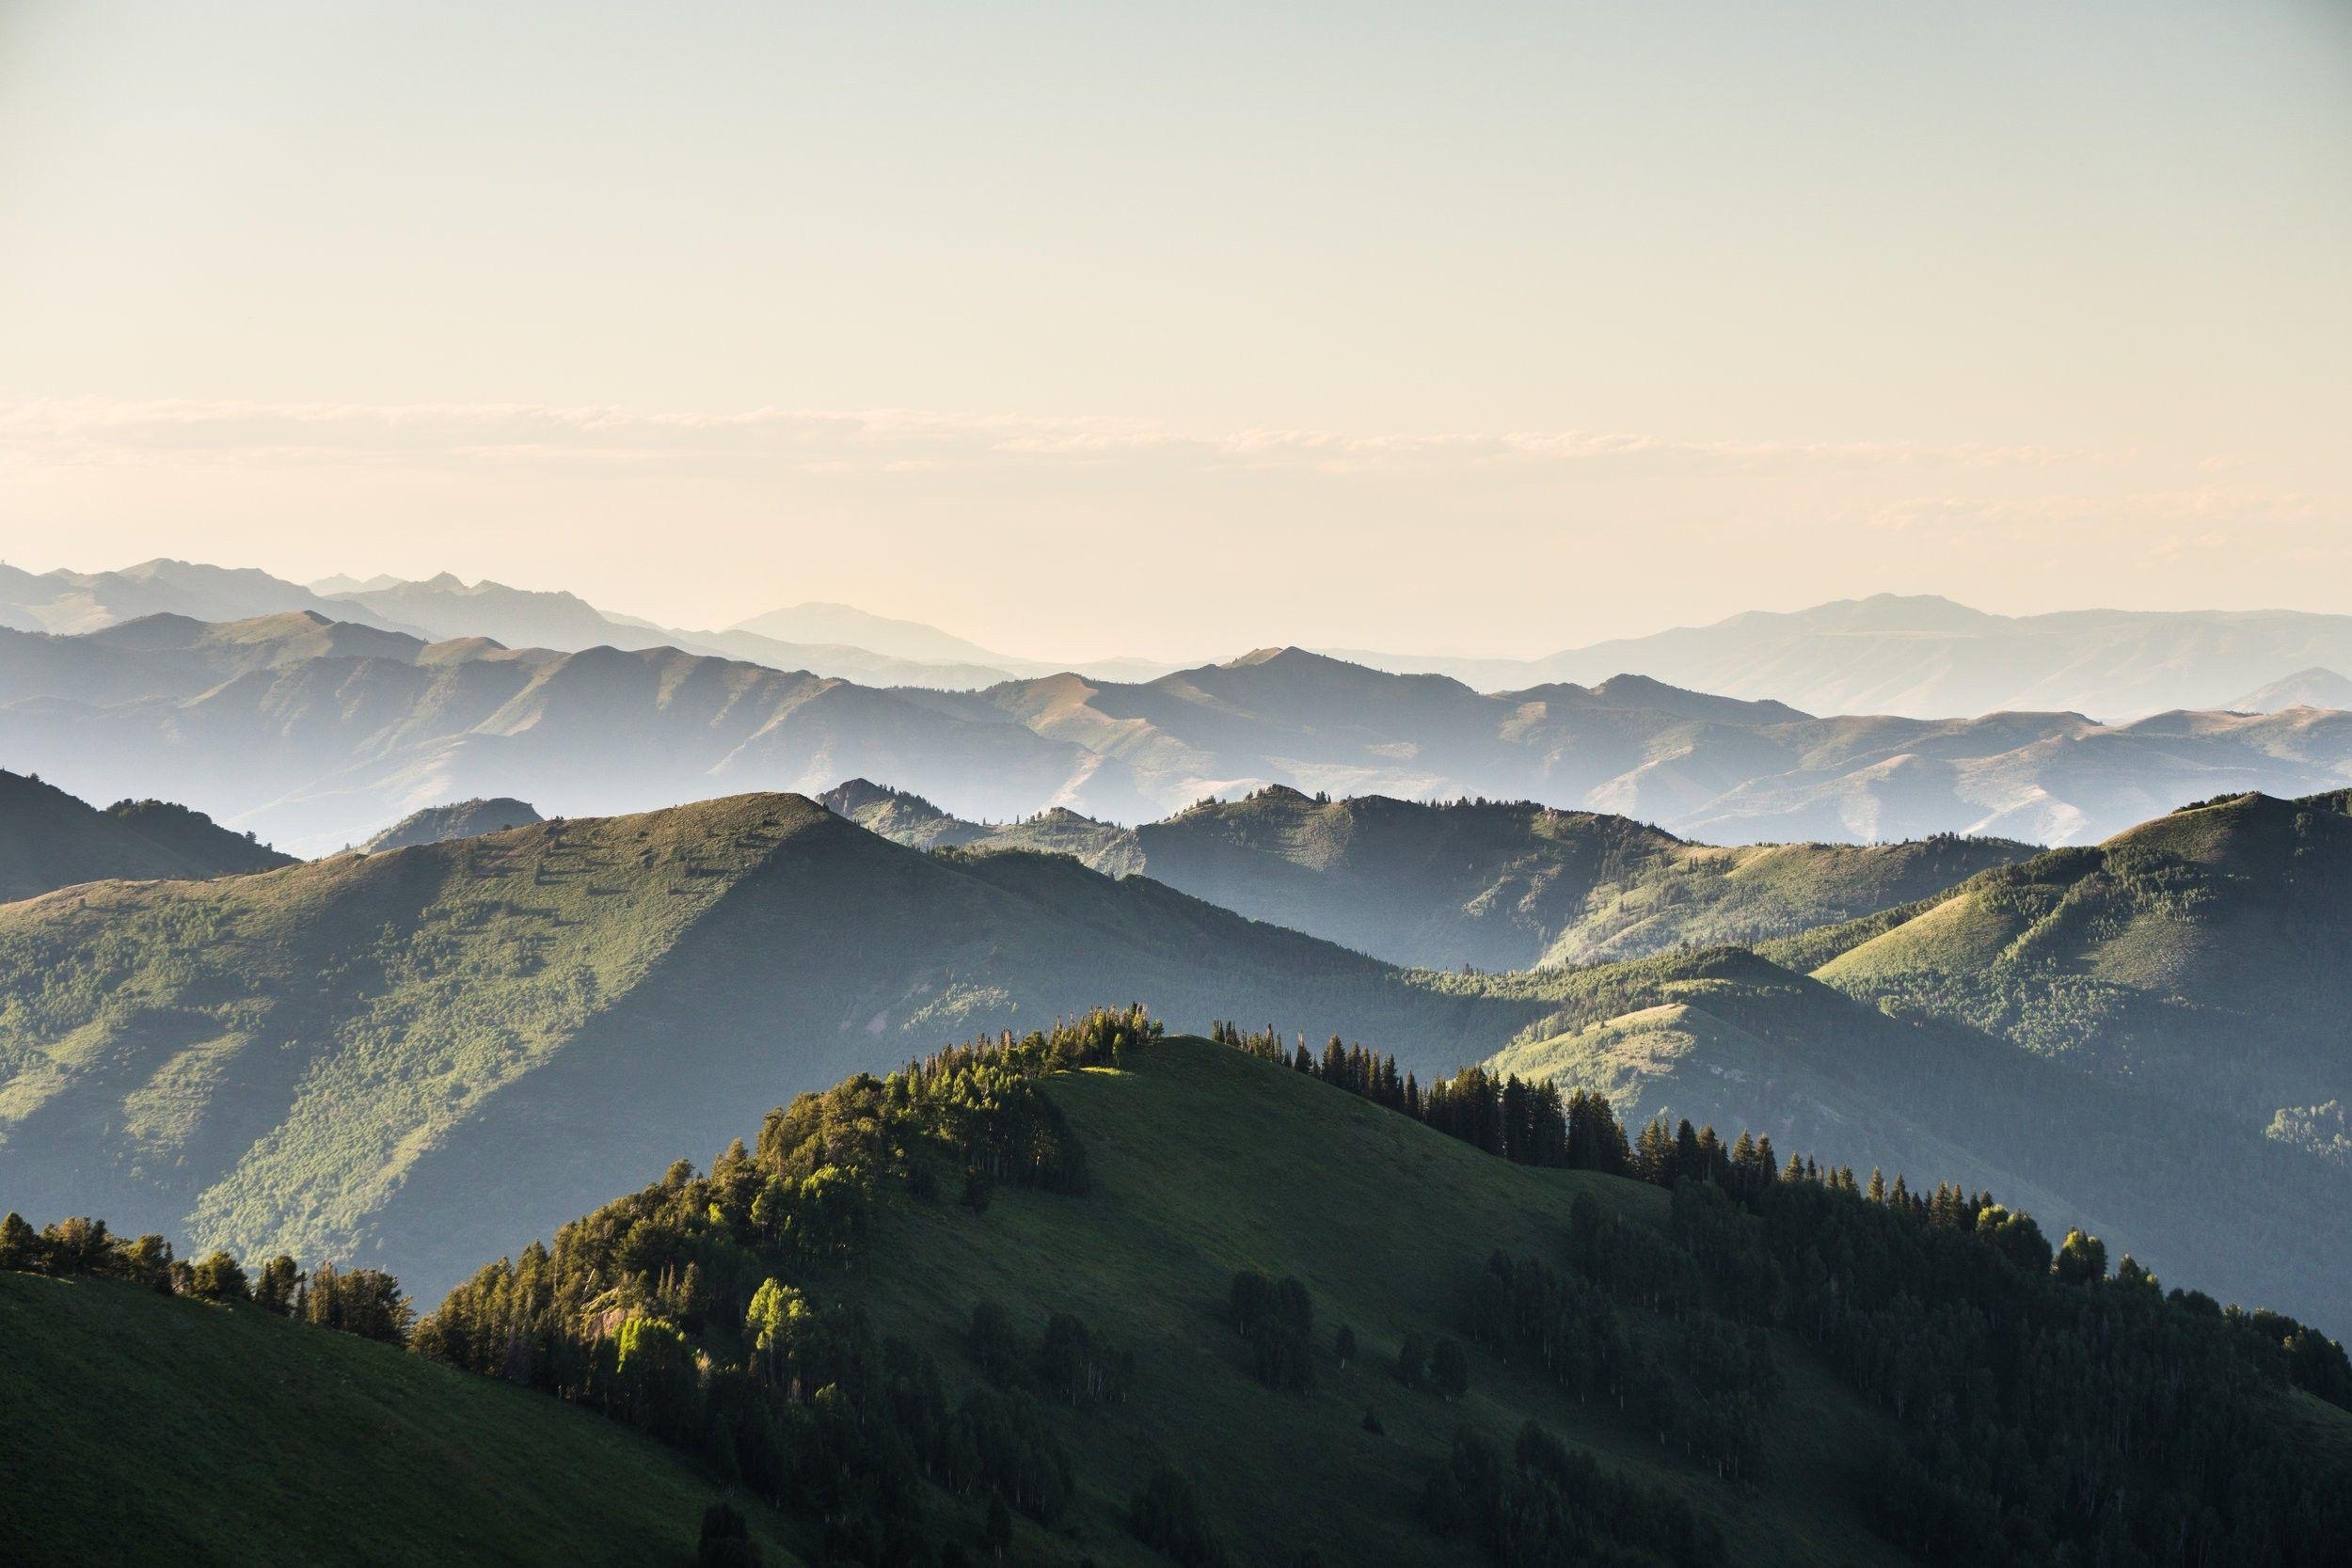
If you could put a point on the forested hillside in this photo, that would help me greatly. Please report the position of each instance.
(1092, 1295)
(341, 1058)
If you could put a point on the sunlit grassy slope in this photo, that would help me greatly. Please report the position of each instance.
(1206, 1160)
(2145, 1037)
(139, 1428)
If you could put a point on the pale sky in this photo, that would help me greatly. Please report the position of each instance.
(1179, 329)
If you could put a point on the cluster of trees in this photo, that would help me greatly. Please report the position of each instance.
(1277, 1320)
(366, 1301)
(1530, 1124)
(1545, 1506)
(1165, 1514)
(1069, 1364)
(1695, 1379)
(692, 1309)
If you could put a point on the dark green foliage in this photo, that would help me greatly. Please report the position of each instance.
(1165, 1514)
(727, 1539)
(274, 1287)
(1530, 1124)
(1412, 1360)
(997, 1531)
(996, 1348)
(218, 1278)
(1071, 1368)
(1344, 1345)
(693, 1309)
(1277, 1319)
(1449, 1368)
(1545, 1506)
(366, 1301)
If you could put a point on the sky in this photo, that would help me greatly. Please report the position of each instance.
(1178, 329)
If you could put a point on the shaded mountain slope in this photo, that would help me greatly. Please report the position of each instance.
(48, 840)
(147, 1429)
(341, 1059)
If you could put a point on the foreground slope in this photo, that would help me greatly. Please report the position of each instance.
(341, 1059)
(1205, 1161)
(143, 1428)
(1194, 1294)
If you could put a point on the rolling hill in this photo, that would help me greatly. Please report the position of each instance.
(317, 732)
(341, 1059)
(48, 840)
(2143, 1036)
(145, 1429)
(1480, 884)
(2313, 688)
(1182, 1324)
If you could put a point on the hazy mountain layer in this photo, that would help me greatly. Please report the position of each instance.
(2314, 687)
(319, 734)
(1926, 656)
(1490, 885)
(342, 1057)
(67, 602)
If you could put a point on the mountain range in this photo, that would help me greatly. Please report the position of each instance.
(2136, 1038)
(1924, 657)
(1919, 656)
(1463, 884)
(318, 734)
(339, 1058)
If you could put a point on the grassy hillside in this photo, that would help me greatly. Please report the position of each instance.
(1487, 884)
(1730, 1039)
(48, 840)
(340, 1058)
(1745, 1370)
(147, 1428)
(2203, 955)
(1205, 1161)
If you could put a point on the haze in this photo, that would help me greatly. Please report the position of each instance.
(1179, 330)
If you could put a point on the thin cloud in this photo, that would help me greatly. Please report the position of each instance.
(96, 430)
